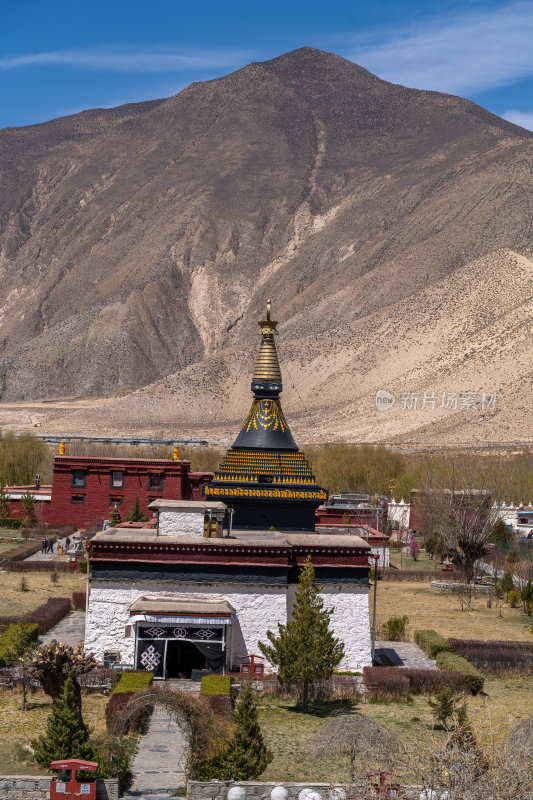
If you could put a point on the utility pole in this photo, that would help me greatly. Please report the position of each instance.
(376, 559)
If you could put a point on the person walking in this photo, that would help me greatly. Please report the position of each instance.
(50, 548)
(44, 545)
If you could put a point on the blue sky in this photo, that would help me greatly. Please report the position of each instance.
(57, 57)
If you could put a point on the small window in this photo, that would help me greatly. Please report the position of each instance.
(77, 499)
(155, 481)
(116, 480)
(115, 500)
(78, 478)
(111, 657)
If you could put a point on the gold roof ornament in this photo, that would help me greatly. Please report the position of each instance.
(267, 365)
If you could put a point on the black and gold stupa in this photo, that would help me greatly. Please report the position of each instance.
(264, 477)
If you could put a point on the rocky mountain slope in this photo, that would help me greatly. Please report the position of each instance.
(392, 228)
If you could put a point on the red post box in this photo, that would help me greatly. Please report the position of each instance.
(66, 785)
(250, 668)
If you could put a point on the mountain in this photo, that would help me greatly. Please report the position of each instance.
(390, 226)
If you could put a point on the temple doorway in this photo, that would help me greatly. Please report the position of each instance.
(182, 658)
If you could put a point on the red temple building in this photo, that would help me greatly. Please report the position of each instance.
(85, 489)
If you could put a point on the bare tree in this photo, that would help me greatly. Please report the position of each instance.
(459, 500)
(354, 735)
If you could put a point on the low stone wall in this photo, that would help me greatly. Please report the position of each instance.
(28, 787)
(256, 790)
(455, 586)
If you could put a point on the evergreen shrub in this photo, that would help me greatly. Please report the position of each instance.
(451, 661)
(216, 685)
(393, 630)
(431, 642)
(11, 522)
(8, 639)
(133, 682)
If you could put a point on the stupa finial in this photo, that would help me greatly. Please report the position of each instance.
(268, 310)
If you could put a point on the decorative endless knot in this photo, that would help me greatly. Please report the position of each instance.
(150, 659)
(180, 633)
(205, 634)
(154, 632)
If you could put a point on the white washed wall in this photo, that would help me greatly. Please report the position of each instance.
(259, 608)
(173, 522)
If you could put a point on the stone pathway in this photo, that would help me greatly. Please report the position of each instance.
(70, 630)
(158, 769)
(46, 556)
(403, 654)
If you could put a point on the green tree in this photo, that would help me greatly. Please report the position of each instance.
(4, 503)
(21, 642)
(249, 755)
(114, 517)
(526, 595)
(305, 649)
(501, 533)
(136, 515)
(27, 501)
(66, 735)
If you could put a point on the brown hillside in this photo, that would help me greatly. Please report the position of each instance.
(391, 226)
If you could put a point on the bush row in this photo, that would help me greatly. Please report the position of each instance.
(216, 685)
(50, 613)
(431, 642)
(79, 600)
(133, 682)
(37, 566)
(399, 683)
(8, 638)
(451, 661)
(21, 551)
(495, 657)
(11, 522)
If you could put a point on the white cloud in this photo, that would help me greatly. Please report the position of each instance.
(522, 118)
(467, 52)
(128, 59)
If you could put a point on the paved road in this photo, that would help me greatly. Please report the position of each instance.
(404, 654)
(70, 630)
(159, 766)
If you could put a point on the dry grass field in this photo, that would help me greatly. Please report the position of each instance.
(40, 589)
(18, 728)
(9, 539)
(504, 702)
(442, 612)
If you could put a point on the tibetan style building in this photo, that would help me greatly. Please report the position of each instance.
(264, 479)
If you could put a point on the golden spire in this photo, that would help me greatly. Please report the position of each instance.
(267, 364)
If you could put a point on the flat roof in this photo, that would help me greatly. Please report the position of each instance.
(188, 505)
(169, 605)
(269, 539)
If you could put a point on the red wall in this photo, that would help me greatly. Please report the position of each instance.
(331, 515)
(98, 491)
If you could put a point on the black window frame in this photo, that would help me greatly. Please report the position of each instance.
(115, 485)
(77, 499)
(73, 484)
(152, 476)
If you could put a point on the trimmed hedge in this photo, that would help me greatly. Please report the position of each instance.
(37, 566)
(216, 685)
(50, 613)
(398, 683)
(414, 575)
(21, 551)
(133, 682)
(11, 522)
(431, 642)
(7, 638)
(45, 616)
(386, 683)
(79, 600)
(495, 657)
(451, 661)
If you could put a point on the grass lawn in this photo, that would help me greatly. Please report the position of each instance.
(9, 539)
(40, 589)
(18, 728)
(442, 612)
(404, 561)
(505, 702)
